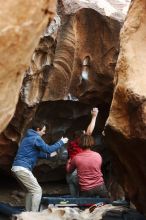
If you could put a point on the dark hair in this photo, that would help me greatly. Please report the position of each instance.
(77, 134)
(37, 124)
(86, 141)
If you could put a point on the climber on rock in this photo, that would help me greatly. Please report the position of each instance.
(31, 148)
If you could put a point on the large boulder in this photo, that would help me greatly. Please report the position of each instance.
(74, 60)
(21, 24)
(99, 212)
(126, 125)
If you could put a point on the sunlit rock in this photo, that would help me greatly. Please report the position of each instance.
(110, 8)
(21, 24)
(126, 125)
(95, 56)
(84, 34)
(75, 61)
(56, 68)
(65, 213)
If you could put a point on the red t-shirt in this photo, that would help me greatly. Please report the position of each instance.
(73, 148)
(88, 164)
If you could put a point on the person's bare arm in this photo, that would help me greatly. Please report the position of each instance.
(91, 126)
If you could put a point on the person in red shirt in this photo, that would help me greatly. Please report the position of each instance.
(74, 148)
(88, 165)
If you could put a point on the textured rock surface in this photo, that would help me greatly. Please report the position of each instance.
(126, 126)
(62, 118)
(94, 213)
(111, 8)
(73, 78)
(63, 79)
(37, 75)
(95, 57)
(21, 23)
(74, 61)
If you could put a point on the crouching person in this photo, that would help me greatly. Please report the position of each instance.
(31, 148)
(88, 164)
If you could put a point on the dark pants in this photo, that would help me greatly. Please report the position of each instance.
(100, 191)
(72, 180)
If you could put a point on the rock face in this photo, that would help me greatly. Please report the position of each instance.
(62, 67)
(21, 23)
(74, 61)
(95, 57)
(110, 8)
(126, 125)
(61, 118)
(80, 65)
(106, 211)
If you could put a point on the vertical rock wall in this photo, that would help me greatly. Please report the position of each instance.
(70, 63)
(21, 24)
(96, 52)
(126, 126)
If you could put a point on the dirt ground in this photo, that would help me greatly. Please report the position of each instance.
(12, 193)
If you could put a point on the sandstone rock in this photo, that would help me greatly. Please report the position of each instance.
(96, 212)
(76, 61)
(8, 149)
(126, 125)
(94, 80)
(21, 24)
(58, 71)
(68, 78)
(69, 213)
(42, 59)
(114, 9)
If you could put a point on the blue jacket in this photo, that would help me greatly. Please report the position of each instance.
(31, 148)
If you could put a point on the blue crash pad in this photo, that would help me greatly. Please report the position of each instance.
(80, 201)
(9, 210)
